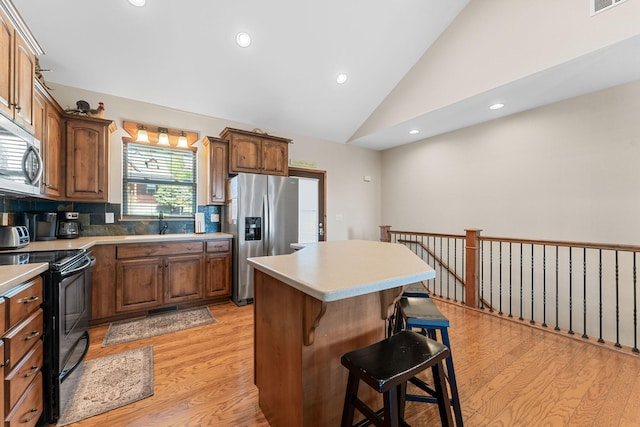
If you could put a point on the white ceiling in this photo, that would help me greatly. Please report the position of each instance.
(182, 54)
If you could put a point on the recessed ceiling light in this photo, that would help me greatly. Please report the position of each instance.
(243, 39)
(496, 106)
(341, 79)
(414, 132)
(138, 3)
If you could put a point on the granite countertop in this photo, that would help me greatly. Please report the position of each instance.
(335, 270)
(12, 275)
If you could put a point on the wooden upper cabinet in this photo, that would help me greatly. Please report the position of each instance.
(87, 144)
(218, 169)
(6, 65)
(257, 153)
(49, 130)
(17, 71)
(25, 69)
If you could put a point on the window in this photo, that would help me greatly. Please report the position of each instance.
(158, 179)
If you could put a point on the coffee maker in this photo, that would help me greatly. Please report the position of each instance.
(68, 226)
(41, 225)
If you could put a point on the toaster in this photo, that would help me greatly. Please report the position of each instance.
(14, 237)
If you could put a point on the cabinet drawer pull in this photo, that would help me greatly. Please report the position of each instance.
(31, 299)
(34, 370)
(32, 336)
(34, 411)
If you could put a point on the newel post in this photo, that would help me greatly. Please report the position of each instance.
(472, 271)
(385, 233)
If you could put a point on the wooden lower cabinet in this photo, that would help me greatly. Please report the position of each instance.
(182, 278)
(130, 279)
(138, 284)
(22, 350)
(217, 281)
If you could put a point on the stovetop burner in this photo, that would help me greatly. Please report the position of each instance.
(56, 259)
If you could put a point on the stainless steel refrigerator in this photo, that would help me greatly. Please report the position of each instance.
(262, 215)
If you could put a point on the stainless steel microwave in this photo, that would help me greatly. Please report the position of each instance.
(20, 161)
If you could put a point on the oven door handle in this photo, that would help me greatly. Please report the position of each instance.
(88, 263)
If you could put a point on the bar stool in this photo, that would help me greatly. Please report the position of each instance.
(386, 366)
(421, 312)
(416, 289)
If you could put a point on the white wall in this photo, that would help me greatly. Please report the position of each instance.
(348, 196)
(568, 171)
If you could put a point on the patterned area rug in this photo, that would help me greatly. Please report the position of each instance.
(110, 382)
(157, 324)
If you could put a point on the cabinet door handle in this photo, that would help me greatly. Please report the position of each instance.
(32, 336)
(33, 370)
(31, 299)
(34, 411)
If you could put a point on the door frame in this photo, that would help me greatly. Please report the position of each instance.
(321, 176)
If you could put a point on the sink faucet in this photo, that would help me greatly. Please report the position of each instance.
(163, 225)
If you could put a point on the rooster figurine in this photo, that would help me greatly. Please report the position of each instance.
(98, 112)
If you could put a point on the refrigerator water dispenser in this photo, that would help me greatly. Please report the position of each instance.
(253, 228)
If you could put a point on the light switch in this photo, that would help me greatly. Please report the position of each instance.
(108, 217)
(215, 218)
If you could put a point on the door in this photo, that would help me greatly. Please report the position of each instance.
(282, 214)
(320, 177)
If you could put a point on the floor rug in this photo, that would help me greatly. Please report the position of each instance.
(157, 324)
(111, 382)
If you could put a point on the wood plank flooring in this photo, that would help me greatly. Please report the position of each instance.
(508, 375)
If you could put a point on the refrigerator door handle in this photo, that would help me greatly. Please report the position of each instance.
(266, 215)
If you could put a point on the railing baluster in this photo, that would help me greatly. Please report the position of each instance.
(448, 263)
(532, 321)
(455, 267)
(600, 339)
(491, 277)
(571, 291)
(617, 344)
(521, 276)
(500, 292)
(557, 327)
(544, 285)
(481, 273)
(510, 281)
(635, 308)
(584, 291)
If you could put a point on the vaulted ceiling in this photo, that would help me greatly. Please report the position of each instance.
(183, 55)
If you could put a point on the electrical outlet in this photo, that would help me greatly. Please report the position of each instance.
(215, 218)
(108, 218)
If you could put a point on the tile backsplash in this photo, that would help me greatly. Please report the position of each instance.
(92, 217)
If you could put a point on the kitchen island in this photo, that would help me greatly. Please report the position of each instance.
(311, 307)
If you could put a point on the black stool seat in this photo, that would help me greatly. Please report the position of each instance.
(416, 290)
(423, 311)
(386, 366)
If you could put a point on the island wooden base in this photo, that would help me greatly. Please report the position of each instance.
(298, 344)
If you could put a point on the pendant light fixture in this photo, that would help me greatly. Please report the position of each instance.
(182, 141)
(163, 137)
(142, 136)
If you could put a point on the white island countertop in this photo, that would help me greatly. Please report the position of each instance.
(335, 270)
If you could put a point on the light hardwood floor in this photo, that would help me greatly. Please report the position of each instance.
(508, 374)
